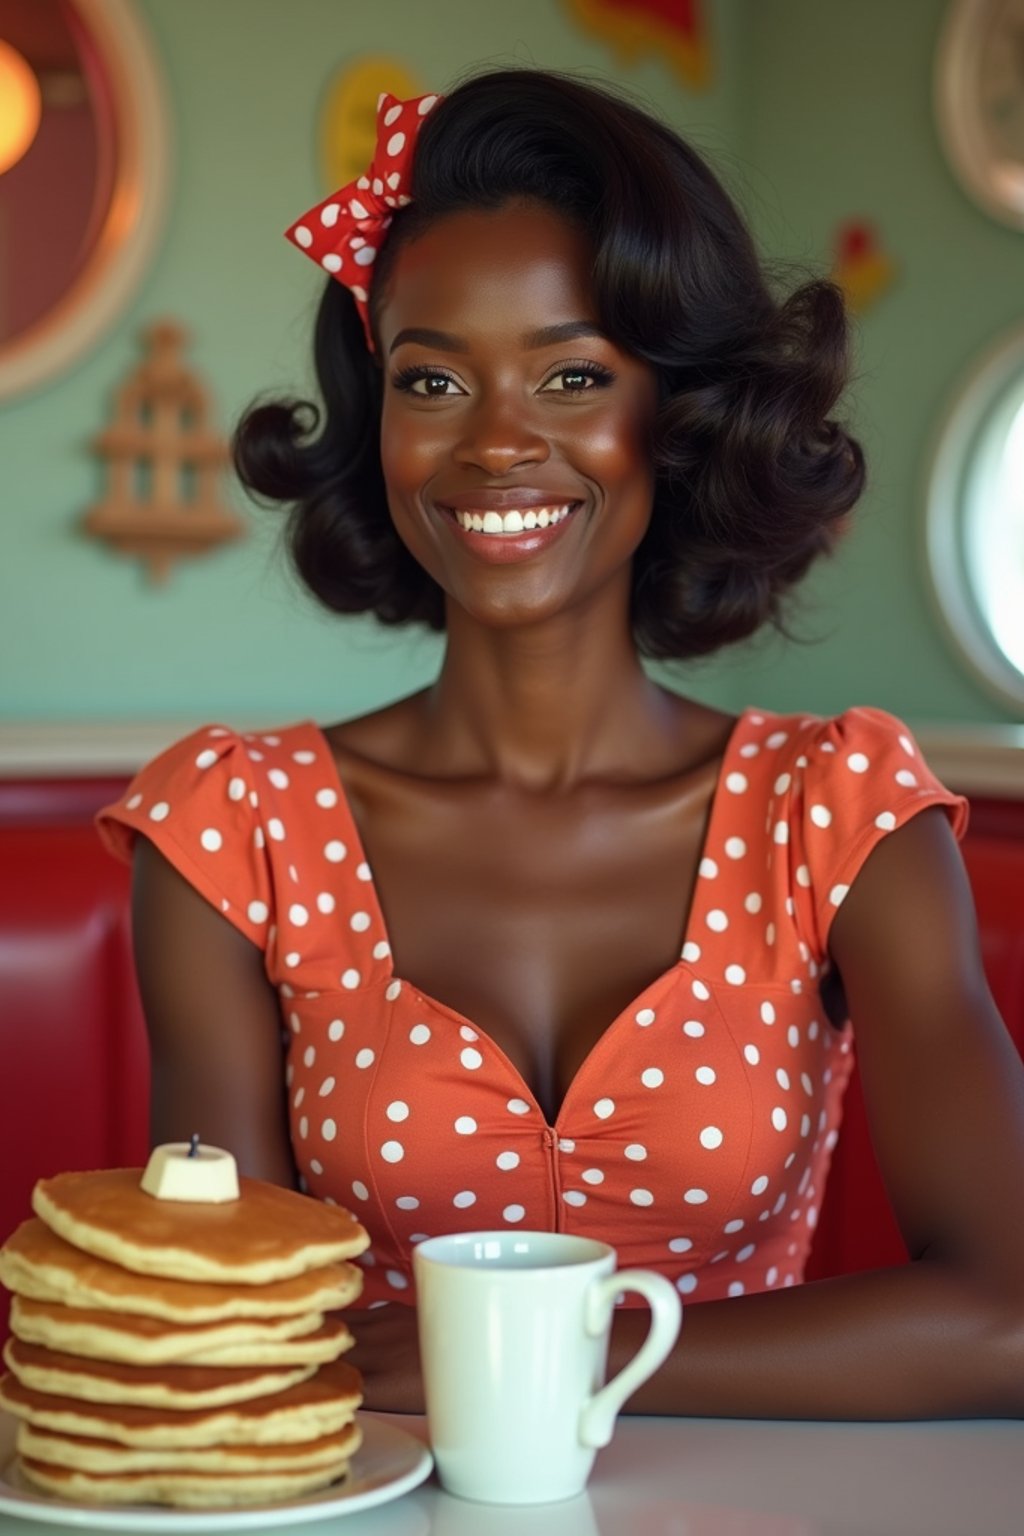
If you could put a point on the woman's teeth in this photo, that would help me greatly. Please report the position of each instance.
(514, 521)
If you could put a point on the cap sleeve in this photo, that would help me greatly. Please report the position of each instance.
(198, 804)
(864, 777)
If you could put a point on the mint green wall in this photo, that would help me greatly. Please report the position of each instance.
(820, 109)
(836, 120)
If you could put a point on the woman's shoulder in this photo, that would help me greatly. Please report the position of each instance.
(857, 773)
(207, 753)
(836, 785)
(207, 783)
(859, 741)
(234, 812)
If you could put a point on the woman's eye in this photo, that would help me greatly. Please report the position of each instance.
(576, 379)
(407, 378)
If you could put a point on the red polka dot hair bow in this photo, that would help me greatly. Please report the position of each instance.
(344, 233)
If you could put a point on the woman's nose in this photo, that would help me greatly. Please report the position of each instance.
(498, 434)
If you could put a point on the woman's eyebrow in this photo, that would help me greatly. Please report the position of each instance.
(548, 335)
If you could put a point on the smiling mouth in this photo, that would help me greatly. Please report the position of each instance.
(515, 521)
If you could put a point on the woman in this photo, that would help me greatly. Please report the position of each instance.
(568, 423)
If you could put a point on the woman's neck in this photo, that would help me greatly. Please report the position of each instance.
(547, 706)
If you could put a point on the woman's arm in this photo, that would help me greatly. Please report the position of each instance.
(213, 1022)
(942, 1336)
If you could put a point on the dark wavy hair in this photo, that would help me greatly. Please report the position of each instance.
(752, 475)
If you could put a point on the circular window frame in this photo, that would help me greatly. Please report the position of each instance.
(135, 220)
(950, 461)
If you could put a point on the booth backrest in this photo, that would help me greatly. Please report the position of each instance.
(73, 1058)
(74, 1067)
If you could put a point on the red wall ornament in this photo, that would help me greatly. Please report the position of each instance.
(673, 30)
(860, 264)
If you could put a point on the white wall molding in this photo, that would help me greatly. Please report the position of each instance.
(974, 759)
(68, 749)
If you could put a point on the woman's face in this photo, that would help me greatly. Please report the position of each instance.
(484, 415)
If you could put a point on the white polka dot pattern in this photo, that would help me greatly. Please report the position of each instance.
(405, 1111)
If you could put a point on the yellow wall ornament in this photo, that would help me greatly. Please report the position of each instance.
(348, 119)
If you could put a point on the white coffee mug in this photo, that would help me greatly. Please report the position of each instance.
(514, 1330)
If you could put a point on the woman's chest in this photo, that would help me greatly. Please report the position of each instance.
(539, 922)
(701, 1124)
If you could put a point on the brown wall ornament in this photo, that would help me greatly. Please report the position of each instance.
(164, 463)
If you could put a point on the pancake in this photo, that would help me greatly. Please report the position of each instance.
(146, 1386)
(177, 1351)
(319, 1406)
(329, 1341)
(36, 1263)
(269, 1233)
(149, 1341)
(190, 1490)
(90, 1455)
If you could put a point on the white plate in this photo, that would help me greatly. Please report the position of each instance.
(387, 1464)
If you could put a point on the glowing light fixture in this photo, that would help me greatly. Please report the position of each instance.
(20, 106)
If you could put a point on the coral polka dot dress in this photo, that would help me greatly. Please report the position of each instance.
(695, 1137)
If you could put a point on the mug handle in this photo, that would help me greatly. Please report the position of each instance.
(597, 1416)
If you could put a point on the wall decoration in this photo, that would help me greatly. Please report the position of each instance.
(23, 106)
(673, 30)
(348, 118)
(973, 518)
(860, 264)
(979, 103)
(163, 463)
(85, 155)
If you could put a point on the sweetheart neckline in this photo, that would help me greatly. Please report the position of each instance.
(632, 1007)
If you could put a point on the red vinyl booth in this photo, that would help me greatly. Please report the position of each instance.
(73, 1056)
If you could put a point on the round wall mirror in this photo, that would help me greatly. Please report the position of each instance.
(979, 102)
(84, 174)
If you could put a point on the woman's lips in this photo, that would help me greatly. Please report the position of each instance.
(505, 548)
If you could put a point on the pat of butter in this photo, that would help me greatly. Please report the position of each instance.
(207, 1176)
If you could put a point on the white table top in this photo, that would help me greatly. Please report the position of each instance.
(735, 1477)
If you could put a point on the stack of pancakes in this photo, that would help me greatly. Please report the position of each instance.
(179, 1353)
